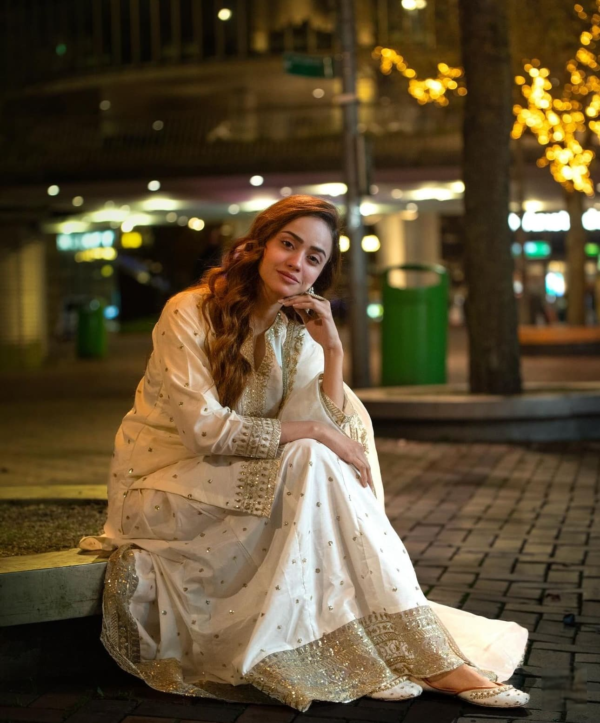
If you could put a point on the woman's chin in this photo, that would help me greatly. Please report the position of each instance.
(281, 290)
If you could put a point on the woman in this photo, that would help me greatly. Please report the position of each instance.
(254, 560)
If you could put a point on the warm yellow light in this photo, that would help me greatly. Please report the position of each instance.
(344, 244)
(131, 240)
(370, 243)
(196, 224)
(107, 270)
(224, 14)
(103, 253)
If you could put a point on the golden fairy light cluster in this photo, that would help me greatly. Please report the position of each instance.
(429, 90)
(559, 123)
(562, 124)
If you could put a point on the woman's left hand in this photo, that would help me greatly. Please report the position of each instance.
(315, 312)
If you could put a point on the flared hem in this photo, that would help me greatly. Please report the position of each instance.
(362, 656)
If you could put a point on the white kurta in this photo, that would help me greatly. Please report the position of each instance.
(250, 571)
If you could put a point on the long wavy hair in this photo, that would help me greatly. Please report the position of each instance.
(232, 289)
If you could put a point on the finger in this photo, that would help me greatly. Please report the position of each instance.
(304, 315)
(363, 475)
(303, 297)
(371, 481)
(322, 311)
(357, 473)
(366, 472)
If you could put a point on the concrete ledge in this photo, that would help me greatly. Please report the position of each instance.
(544, 412)
(54, 492)
(50, 586)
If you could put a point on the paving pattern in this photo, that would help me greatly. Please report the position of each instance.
(499, 530)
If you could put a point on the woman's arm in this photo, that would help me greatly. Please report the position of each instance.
(190, 398)
(318, 320)
(333, 382)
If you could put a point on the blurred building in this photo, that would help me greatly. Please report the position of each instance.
(137, 135)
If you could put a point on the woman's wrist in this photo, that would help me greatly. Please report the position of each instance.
(334, 350)
(291, 431)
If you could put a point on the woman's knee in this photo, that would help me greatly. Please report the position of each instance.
(307, 449)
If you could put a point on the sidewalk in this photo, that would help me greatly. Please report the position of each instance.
(499, 530)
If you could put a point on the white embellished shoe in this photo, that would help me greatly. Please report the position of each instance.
(401, 691)
(503, 696)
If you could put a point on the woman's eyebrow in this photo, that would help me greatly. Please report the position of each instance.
(301, 240)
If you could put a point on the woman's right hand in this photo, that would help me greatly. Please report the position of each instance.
(349, 451)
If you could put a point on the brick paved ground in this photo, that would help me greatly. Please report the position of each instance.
(499, 530)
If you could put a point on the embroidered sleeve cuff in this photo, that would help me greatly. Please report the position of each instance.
(256, 487)
(259, 438)
(338, 416)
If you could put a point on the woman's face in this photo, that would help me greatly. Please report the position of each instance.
(295, 256)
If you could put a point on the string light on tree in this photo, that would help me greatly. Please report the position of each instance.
(429, 90)
(561, 121)
(565, 124)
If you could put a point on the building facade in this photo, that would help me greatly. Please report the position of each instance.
(138, 135)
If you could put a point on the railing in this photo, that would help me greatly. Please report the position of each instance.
(43, 40)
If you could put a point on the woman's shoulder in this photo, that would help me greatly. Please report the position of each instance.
(188, 300)
(184, 310)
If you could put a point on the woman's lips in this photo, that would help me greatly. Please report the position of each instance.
(288, 278)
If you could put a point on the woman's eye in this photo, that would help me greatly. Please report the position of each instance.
(314, 259)
(284, 241)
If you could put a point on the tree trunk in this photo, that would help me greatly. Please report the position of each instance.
(491, 309)
(576, 239)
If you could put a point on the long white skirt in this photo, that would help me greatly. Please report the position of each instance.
(319, 602)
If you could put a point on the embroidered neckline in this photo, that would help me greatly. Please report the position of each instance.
(247, 348)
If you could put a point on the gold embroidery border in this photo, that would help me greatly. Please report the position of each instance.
(120, 637)
(257, 486)
(367, 654)
(255, 392)
(350, 422)
(370, 653)
(259, 438)
(292, 348)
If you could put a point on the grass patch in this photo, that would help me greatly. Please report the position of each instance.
(28, 528)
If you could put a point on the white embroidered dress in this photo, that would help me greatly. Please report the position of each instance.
(249, 571)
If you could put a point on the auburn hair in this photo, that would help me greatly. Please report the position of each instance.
(232, 288)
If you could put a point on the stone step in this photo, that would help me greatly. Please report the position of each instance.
(50, 586)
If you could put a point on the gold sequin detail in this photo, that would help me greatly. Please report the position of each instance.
(256, 490)
(358, 658)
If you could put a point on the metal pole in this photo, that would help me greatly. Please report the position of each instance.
(353, 163)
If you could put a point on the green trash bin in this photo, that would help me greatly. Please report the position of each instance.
(414, 329)
(91, 330)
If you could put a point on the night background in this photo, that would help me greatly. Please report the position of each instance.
(139, 139)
